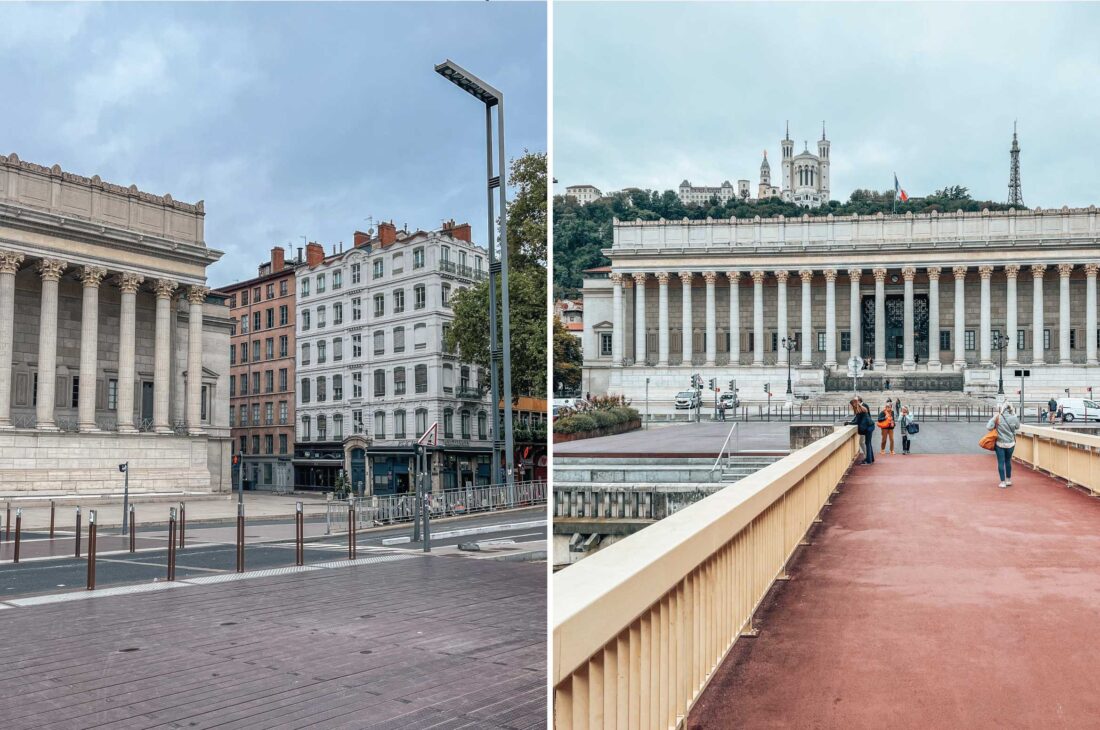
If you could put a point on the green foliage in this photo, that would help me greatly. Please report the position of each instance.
(599, 412)
(567, 357)
(527, 211)
(582, 231)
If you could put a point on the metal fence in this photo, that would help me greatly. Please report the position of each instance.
(837, 414)
(392, 509)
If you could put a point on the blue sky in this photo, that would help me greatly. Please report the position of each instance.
(288, 119)
(648, 94)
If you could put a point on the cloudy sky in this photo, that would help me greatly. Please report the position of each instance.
(648, 94)
(289, 120)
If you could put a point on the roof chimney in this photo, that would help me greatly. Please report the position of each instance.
(387, 233)
(315, 254)
(278, 262)
(460, 231)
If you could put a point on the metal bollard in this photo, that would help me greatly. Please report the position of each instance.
(299, 535)
(51, 518)
(183, 522)
(77, 553)
(7, 520)
(240, 537)
(133, 529)
(351, 528)
(172, 544)
(328, 513)
(18, 531)
(91, 549)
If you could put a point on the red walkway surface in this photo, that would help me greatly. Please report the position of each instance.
(929, 599)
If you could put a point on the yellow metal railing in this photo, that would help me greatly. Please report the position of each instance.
(640, 627)
(1071, 455)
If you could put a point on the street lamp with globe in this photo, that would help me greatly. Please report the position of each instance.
(999, 343)
(789, 345)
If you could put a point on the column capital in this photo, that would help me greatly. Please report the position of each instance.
(934, 273)
(909, 273)
(627, 281)
(758, 276)
(1091, 269)
(50, 269)
(807, 275)
(662, 278)
(879, 273)
(710, 276)
(10, 262)
(1037, 270)
(959, 272)
(616, 277)
(1064, 270)
(830, 275)
(640, 277)
(733, 276)
(197, 294)
(781, 276)
(92, 276)
(129, 282)
(854, 275)
(165, 288)
(686, 277)
(1012, 271)
(985, 271)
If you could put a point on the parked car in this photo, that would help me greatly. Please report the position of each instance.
(1079, 409)
(688, 399)
(729, 400)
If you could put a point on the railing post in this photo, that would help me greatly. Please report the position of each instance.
(18, 531)
(172, 544)
(91, 549)
(240, 537)
(299, 535)
(351, 528)
(183, 522)
(7, 521)
(52, 510)
(77, 551)
(133, 529)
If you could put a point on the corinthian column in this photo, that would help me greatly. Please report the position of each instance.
(854, 319)
(162, 355)
(781, 314)
(1038, 354)
(128, 284)
(880, 318)
(639, 318)
(1011, 272)
(662, 319)
(712, 325)
(9, 265)
(960, 316)
(934, 318)
(90, 276)
(1064, 358)
(986, 337)
(830, 318)
(807, 277)
(758, 318)
(1090, 314)
(617, 323)
(50, 271)
(685, 317)
(909, 362)
(196, 296)
(735, 316)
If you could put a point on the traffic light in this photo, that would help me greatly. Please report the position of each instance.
(733, 386)
(767, 387)
(713, 383)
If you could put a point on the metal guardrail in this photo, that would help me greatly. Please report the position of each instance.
(397, 508)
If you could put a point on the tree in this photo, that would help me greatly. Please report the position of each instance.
(527, 211)
(567, 357)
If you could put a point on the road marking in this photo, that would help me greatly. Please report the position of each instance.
(485, 529)
(160, 565)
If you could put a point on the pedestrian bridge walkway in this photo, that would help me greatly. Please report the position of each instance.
(924, 597)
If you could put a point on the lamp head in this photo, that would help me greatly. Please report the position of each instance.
(469, 83)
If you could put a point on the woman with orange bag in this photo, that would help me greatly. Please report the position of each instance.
(1005, 424)
(886, 425)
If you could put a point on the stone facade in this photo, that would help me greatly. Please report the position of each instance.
(912, 293)
(90, 278)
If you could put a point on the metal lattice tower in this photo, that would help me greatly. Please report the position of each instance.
(1015, 196)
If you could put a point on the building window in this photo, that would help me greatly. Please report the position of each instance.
(337, 279)
(448, 378)
(446, 295)
(379, 305)
(845, 341)
(338, 426)
(356, 309)
(337, 387)
(421, 421)
(420, 297)
(752, 343)
(269, 381)
(1020, 339)
(320, 289)
(337, 314)
(355, 273)
(464, 377)
(821, 340)
(379, 383)
(282, 443)
(399, 381)
(255, 414)
(968, 339)
(1073, 339)
(256, 295)
(337, 349)
(322, 428)
(244, 297)
(321, 352)
(244, 324)
(398, 301)
(357, 385)
(418, 258)
(398, 339)
(445, 336)
(305, 320)
(244, 415)
(380, 424)
(322, 389)
(448, 423)
(357, 421)
(1046, 340)
(232, 355)
(482, 426)
(256, 322)
(378, 268)
(269, 415)
(399, 424)
(306, 435)
(605, 344)
(420, 374)
(775, 342)
(255, 350)
(232, 385)
(282, 288)
(379, 342)
(356, 346)
(304, 390)
(244, 383)
(320, 316)
(269, 347)
(420, 336)
(283, 412)
(256, 444)
(232, 415)
(398, 263)
(465, 424)
(305, 353)
(270, 317)
(283, 344)
(945, 340)
(284, 315)
(305, 287)
(112, 394)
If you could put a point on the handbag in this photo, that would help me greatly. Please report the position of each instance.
(913, 428)
(989, 441)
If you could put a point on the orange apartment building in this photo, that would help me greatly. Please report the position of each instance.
(261, 381)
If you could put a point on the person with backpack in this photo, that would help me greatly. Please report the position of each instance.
(886, 426)
(909, 427)
(1005, 423)
(1052, 410)
(865, 426)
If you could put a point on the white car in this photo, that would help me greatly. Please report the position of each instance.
(687, 399)
(1083, 409)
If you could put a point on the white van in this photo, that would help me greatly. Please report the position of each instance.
(1079, 409)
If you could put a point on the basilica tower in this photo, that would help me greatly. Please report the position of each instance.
(823, 153)
(788, 156)
(762, 191)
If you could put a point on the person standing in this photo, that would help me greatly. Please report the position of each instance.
(905, 421)
(1052, 410)
(865, 426)
(886, 424)
(1006, 423)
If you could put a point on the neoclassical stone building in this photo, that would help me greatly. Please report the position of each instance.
(111, 347)
(927, 297)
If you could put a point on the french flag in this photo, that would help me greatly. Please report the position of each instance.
(901, 194)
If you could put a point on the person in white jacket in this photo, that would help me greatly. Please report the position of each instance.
(1006, 423)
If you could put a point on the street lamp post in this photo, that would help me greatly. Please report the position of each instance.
(999, 343)
(789, 345)
(500, 356)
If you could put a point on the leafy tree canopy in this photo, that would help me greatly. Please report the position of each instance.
(567, 357)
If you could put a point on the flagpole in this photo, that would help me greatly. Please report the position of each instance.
(895, 207)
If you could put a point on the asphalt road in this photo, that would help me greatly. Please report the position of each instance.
(57, 575)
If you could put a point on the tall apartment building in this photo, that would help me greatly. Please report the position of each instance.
(373, 370)
(261, 380)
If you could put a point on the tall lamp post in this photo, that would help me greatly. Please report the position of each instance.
(500, 350)
(999, 343)
(789, 345)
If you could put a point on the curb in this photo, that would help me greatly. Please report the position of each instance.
(468, 531)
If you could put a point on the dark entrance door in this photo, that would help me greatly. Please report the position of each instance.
(146, 403)
(358, 470)
(895, 326)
